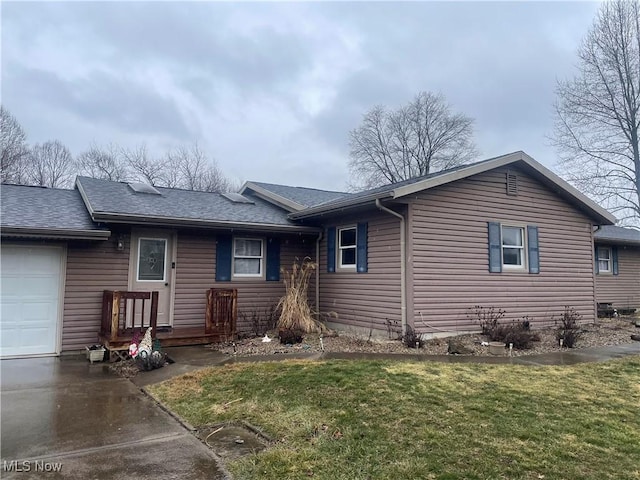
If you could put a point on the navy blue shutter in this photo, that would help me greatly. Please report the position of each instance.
(597, 263)
(534, 251)
(614, 259)
(223, 258)
(273, 260)
(495, 248)
(361, 248)
(331, 249)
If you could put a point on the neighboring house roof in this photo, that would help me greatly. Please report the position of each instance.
(40, 212)
(419, 184)
(292, 198)
(109, 201)
(613, 234)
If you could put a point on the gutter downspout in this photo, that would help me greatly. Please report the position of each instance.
(594, 260)
(403, 265)
(320, 235)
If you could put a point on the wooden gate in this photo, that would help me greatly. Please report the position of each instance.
(222, 313)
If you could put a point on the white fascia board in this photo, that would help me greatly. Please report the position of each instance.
(271, 197)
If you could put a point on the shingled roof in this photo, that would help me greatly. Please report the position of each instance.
(292, 198)
(614, 234)
(117, 202)
(46, 212)
(408, 187)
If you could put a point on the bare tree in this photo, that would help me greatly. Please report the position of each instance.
(190, 168)
(598, 112)
(103, 162)
(50, 165)
(13, 142)
(421, 137)
(146, 168)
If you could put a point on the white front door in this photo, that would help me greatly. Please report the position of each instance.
(150, 270)
(30, 294)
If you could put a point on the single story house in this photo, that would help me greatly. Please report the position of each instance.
(617, 267)
(504, 232)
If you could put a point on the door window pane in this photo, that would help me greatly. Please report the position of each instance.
(151, 259)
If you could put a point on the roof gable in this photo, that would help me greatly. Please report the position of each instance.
(419, 184)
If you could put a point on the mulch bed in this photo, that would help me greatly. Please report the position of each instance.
(614, 331)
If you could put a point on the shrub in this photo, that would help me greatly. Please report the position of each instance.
(487, 317)
(518, 332)
(295, 312)
(290, 337)
(261, 320)
(569, 331)
(520, 335)
(412, 339)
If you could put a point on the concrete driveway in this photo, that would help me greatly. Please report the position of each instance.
(68, 419)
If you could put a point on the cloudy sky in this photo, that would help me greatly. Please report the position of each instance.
(271, 90)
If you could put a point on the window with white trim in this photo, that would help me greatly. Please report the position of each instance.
(347, 247)
(604, 260)
(248, 257)
(513, 247)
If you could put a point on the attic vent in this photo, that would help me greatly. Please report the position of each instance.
(512, 183)
(139, 187)
(237, 198)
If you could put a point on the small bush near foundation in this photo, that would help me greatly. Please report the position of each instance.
(518, 333)
(261, 320)
(290, 337)
(412, 339)
(569, 330)
(487, 317)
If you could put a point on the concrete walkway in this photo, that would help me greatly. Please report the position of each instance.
(65, 413)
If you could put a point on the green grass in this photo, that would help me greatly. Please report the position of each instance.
(396, 420)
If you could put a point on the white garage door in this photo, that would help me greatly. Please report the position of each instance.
(30, 300)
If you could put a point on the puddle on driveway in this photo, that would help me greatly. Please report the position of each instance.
(231, 440)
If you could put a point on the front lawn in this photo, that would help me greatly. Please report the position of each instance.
(395, 420)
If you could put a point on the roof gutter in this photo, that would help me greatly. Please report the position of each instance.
(113, 217)
(341, 205)
(24, 232)
(403, 264)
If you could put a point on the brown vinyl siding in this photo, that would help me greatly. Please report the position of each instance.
(195, 267)
(91, 268)
(449, 253)
(365, 300)
(196, 272)
(623, 290)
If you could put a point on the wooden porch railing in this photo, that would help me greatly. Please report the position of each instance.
(119, 314)
(222, 313)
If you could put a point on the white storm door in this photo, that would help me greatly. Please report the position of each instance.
(151, 259)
